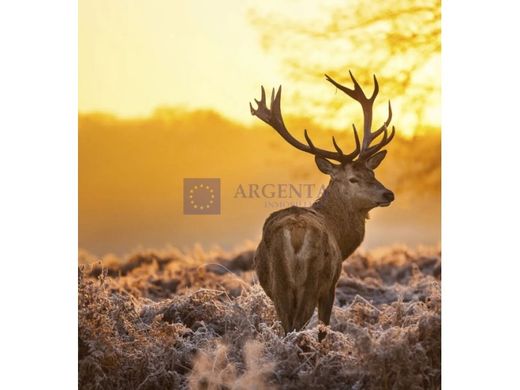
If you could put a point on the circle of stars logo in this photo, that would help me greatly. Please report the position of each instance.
(201, 196)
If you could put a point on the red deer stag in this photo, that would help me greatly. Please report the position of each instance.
(299, 259)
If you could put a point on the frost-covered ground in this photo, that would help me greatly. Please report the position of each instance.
(199, 320)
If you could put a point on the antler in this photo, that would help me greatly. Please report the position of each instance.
(273, 117)
(367, 105)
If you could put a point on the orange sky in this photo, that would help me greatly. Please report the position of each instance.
(135, 56)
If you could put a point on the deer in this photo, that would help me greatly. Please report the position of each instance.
(299, 258)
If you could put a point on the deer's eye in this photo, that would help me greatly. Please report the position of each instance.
(353, 180)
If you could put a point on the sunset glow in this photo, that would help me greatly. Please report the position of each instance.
(164, 92)
(137, 56)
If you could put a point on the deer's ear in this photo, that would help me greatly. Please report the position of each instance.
(374, 161)
(325, 165)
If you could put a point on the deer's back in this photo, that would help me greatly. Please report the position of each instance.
(297, 251)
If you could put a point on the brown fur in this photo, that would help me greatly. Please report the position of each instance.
(299, 258)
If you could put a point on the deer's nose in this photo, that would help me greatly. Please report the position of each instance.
(389, 196)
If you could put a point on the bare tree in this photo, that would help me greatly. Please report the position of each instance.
(399, 40)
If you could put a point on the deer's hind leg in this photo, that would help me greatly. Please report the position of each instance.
(326, 302)
(285, 306)
(295, 303)
(306, 304)
(284, 292)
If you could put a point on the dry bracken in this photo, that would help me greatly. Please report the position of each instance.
(168, 320)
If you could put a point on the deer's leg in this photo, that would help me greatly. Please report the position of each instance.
(285, 305)
(325, 304)
(305, 307)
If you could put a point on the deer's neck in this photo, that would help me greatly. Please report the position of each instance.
(346, 223)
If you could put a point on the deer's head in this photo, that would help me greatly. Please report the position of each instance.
(352, 176)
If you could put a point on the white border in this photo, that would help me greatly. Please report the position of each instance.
(480, 210)
(38, 163)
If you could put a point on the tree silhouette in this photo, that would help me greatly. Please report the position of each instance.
(399, 41)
